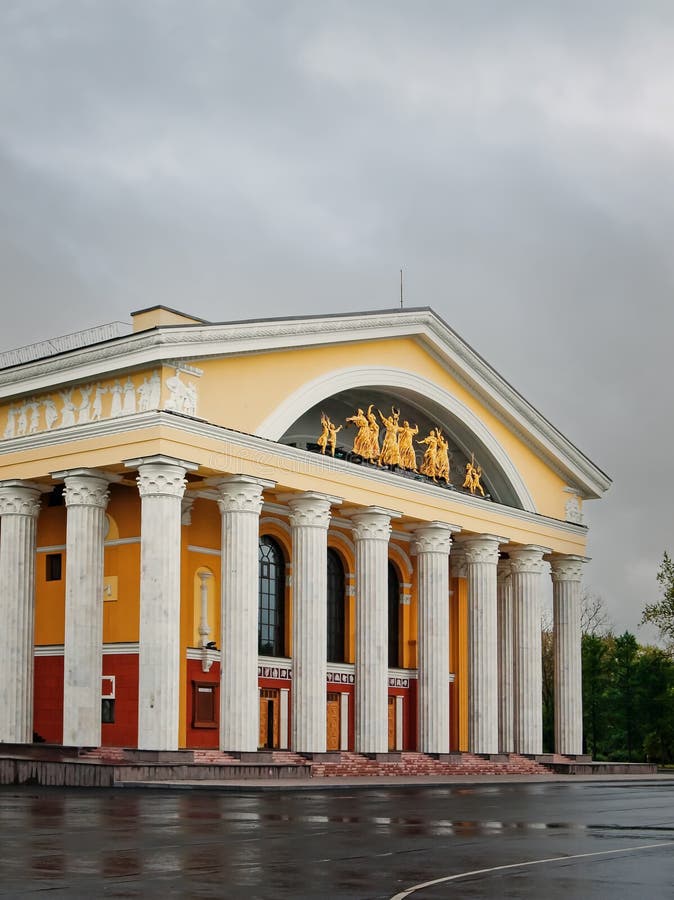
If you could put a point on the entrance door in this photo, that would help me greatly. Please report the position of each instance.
(270, 702)
(333, 730)
(391, 723)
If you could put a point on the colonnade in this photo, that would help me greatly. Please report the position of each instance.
(504, 622)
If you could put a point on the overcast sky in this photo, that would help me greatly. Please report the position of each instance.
(236, 159)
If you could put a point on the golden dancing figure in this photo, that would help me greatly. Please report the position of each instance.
(428, 463)
(473, 476)
(328, 436)
(408, 458)
(361, 443)
(374, 451)
(390, 452)
(442, 458)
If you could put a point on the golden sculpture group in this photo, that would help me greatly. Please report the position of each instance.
(397, 447)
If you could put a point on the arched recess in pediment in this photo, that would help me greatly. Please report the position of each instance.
(339, 393)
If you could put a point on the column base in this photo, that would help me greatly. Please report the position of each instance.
(326, 756)
(159, 756)
(253, 757)
(494, 757)
(390, 756)
(453, 757)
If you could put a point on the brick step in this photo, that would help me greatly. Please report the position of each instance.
(412, 763)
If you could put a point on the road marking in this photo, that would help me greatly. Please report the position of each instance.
(532, 862)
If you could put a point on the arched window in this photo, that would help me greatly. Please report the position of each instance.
(335, 607)
(393, 617)
(271, 604)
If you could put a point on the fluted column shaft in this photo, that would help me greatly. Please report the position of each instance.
(527, 566)
(240, 501)
(506, 738)
(161, 485)
(309, 517)
(481, 558)
(19, 505)
(86, 497)
(566, 580)
(432, 543)
(372, 529)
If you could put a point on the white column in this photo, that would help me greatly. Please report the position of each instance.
(86, 497)
(309, 517)
(372, 528)
(19, 506)
(240, 501)
(527, 566)
(566, 579)
(481, 556)
(506, 740)
(161, 484)
(204, 627)
(432, 543)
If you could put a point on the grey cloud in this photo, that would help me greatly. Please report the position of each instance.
(266, 158)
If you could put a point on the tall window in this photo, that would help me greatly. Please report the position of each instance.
(393, 616)
(335, 607)
(271, 606)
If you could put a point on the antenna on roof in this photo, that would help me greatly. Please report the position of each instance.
(401, 288)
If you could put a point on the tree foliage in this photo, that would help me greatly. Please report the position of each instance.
(661, 613)
(628, 692)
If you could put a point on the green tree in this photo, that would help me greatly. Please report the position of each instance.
(661, 614)
(623, 694)
(595, 654)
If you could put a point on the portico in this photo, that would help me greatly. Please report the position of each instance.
(220, 589)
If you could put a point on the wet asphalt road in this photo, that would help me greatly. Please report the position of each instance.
(340, 844)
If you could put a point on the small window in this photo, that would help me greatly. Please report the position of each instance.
(204, 707)
(108, 710)
(54, 567)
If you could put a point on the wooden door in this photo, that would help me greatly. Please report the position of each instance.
(392, 723)
(333, 722)
(270, 716)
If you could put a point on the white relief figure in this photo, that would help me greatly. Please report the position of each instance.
(83, 409)
(176, 388)
(129, 405)
(144, 396)
(116, 406)
(573, 512)
(67, 410)
(34, 425)
(154, 394)
(97, 409)
(190, 401)
(10, 427)
(50, 413)
(23, 420)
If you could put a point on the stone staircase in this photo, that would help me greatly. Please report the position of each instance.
(346, 764)
(353, 765)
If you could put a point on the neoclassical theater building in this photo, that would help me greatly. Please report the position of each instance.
(314, 534)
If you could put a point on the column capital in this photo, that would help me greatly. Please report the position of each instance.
(242, 494)
(86, 487)
(161, 477)
(311, 509)
(434, 537)
(483, 548)
(503, 570)
(19, 498)
(373, 523)
(567, 567)
(527, 559)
